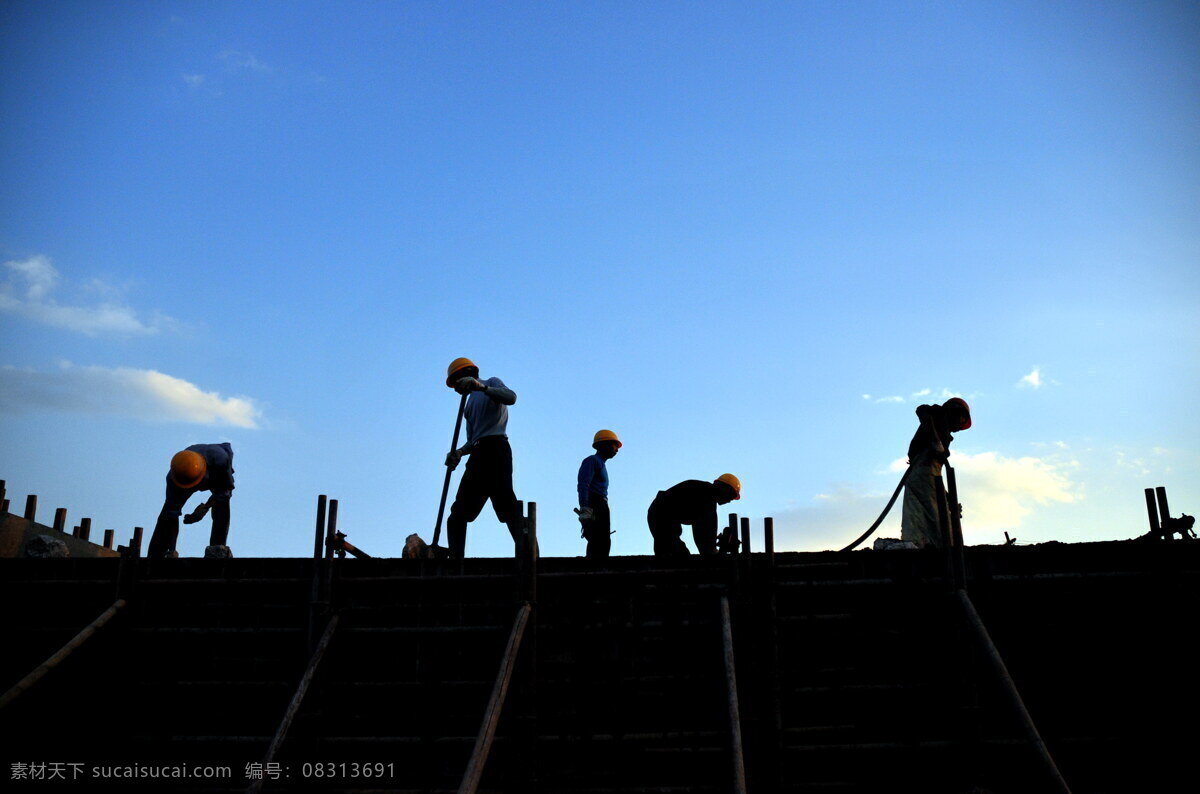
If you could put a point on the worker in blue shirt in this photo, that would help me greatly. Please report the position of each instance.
(200, 467)
(490, 466)
(593, 494)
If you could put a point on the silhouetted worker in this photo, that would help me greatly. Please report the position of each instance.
(927, 451)
(593, 494)
(490, 467)
(200, 467)
(690, 502)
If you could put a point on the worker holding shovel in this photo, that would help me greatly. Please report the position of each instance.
(489, 466)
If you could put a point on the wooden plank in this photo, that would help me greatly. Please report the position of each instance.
(491, 716)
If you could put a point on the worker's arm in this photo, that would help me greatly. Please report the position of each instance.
(933, 438)
(704, 532)
(496, 391)
(587, 471)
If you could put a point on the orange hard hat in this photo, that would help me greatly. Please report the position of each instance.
(732, 482)
(188, 468)
(605, 435)
(457, 366)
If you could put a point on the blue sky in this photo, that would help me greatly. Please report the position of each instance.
(747, 237)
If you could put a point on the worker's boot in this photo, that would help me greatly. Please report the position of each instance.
(217, 553)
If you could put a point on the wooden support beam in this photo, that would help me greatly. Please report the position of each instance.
(31, 507)
(746, 536)
(135, 545)
(491, 715)
(62, 654)
(60, 519)
(297, 700)
(735, 722)
(979, 632)
(85, 529)
(109, 536)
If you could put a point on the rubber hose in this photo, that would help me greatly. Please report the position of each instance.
(882, 515)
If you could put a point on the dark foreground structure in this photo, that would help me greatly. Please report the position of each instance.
(862, 671)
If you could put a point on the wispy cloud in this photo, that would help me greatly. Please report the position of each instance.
(237, 61)
(142, 393)
(916, 396)
(29, 292)
(999, 492)
(193, 80)
(1033, 380)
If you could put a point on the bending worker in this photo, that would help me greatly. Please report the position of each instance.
(927, 451)
(690, 502)
(593, 494)
(490, 467)
(200, 467)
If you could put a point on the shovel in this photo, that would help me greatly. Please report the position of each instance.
(438, 551)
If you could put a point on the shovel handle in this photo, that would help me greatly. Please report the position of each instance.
(437, 528)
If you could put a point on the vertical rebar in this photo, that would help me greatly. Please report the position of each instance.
(60, 519)
(1152, 512)
(746, 536)
(320, 526)
(331, 528)
(775, 726)
(314, 598)
(135, 544)
(1164, 512)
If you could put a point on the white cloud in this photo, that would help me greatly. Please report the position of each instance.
(1033, 379)
(998, 493)
(144, 394)
(194, 80)
(28, 292)
(892, 399)
(237, 61)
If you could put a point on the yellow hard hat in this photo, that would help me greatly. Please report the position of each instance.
(606, 435)
(187, 468)
(732, 482)
(456, 366)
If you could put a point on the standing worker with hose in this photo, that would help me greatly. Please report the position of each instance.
(593, 494)
(927, 451)
(490, 467)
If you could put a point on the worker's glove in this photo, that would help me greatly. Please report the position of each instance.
(197, 514)
(467, 385)
(452, 459)
(585, 515)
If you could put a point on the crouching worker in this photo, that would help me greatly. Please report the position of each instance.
(593, 494)
(200, 467)
(690, 502)
(927, 451)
